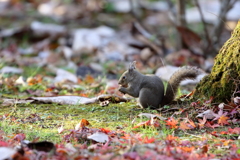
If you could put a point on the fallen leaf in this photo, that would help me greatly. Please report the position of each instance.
(209, 101)
(208, 124)
(19, 137)
(234, 130)
(191, 123)
(143, 124)
(171, 138)
(184, 126)
(209, 114)
(89, 79)
(148, 140)
(60, 129)
(99, 137)
(187, 149)
(105, 130)
(202, 122)
(191, 40)
(6, 153)
(223, 120)
(83, 123)
(237, 100)
(221, 117)
(204, 149)
(172, 123)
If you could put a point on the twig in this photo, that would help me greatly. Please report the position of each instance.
(192, 135)
(181, 17)
(133, 11)
(146, 37)
(204, 25)
(173, 10)
(226, 5)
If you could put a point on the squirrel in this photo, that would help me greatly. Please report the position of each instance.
(150, 88)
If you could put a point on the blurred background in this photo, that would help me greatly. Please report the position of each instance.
(101, 37)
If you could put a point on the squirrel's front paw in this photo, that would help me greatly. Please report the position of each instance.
(122, 90)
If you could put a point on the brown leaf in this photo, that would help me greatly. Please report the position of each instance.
(191, 123)
(191, 40)
(204, 149)
(202, 122)
(184, 126)
(147, 123)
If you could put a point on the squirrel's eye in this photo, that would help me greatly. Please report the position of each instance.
(124, 77)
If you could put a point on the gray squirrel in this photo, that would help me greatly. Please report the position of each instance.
(150, 88)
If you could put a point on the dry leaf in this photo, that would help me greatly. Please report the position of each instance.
(191, 40)
(237, 100)
(209, 114)
(82, 124)
(99, 137)
(184, 126)
(223, 120)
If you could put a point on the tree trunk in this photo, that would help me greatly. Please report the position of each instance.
(224, 81)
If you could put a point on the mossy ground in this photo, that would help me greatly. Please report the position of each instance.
(224, 80)
(43, 120)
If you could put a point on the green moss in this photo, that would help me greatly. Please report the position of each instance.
(221, 83)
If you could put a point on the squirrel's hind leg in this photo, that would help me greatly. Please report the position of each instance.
(147, 99)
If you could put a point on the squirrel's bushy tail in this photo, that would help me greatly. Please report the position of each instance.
(173, 84)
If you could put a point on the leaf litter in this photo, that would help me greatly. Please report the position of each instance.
(108, 128)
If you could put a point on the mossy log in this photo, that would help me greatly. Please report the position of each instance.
(224, 79)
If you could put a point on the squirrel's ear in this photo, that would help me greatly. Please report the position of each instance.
(132, 66)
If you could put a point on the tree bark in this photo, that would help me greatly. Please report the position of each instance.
(181, 16)
(224, 80)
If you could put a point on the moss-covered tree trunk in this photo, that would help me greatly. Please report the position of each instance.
(224, 79)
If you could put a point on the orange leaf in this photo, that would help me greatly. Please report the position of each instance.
(34, 80)
(148, 140)
(89, 79)
(187, 149)
(226, 142)
(223, 132)
(105, 130)
(171, 138)
(143, 124)
(223, 120)
(172, 123)
(184, 126)
(192, 123)
(84, 123)
(84, 95)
